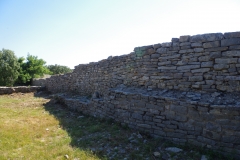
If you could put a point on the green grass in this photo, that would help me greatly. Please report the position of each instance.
(28, 131)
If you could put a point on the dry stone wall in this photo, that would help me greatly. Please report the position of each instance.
(208, 62)
(21, 89)
(186, 90)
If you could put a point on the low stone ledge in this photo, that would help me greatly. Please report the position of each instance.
(21, 89)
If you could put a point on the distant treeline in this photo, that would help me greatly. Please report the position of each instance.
(21, 71)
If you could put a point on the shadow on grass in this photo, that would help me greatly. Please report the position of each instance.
(101, 137)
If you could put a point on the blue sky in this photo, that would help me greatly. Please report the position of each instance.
(72, 32)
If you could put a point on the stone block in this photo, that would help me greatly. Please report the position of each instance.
(185, 47)
(196, 45)
(162, 50)
(176, 135)
(157, 107)
(173, 49)
(214, 55)
(186, 51)
(147, 126)
(155, 46)
(196, 78)
(155, 56)
(185, 38)
(188, 67)
(220, 66)
(197, 50)
(204, 58)
(160, 133)
(166, 44)
(206, 37)
(175, 44)
(235, 47)
(164, 63)
(230, 42)
(179, 109)
(231, 54)
(137, 116)
(216, 49)
(231, 34)
(230, 139)
(201, 70)
(213, 44)
(176, 56)
(167, 68)
(184, 44)
(207, 64)
(226, 60)
(213, 127)
(175, 39)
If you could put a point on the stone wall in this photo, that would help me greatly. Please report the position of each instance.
(21, 89)
(186, 90)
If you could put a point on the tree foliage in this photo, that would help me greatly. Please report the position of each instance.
(9, 67)
(58, 69)
(32, 68)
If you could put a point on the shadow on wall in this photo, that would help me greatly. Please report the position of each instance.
(101, 137)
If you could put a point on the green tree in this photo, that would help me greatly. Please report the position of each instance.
(32, 68)
(58, 69)
(9, 67)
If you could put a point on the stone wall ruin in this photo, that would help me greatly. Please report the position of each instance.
(186, 90)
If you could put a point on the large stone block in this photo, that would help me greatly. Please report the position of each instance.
(201, 70)
(184, 38)
(196, 45)
(231, 54)
(196, 78)
(231, 34)
(188, 67)
(162, 50)
(207, 64)
(216, 49)
(226, 60)
(230, 42)
(211, 44)
(206, 37)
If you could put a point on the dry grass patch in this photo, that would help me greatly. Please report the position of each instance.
(28, 131)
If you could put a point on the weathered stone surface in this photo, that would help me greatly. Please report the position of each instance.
(226, 60)
(202, 70)
(206, 37)
(235, 47)
(196, 78)
(162, 50)
(186, 51)
(168, 68)
(231, 34)
(214, 55)
(198, 50)
(211, 44)
(230, 42)
(167, 44)
(196, 45)
(184, 38)
(175, 39)
(231, 54)
(216, 49)
(207, 64)
(188, 67)
(220, 66)
(185, 44)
